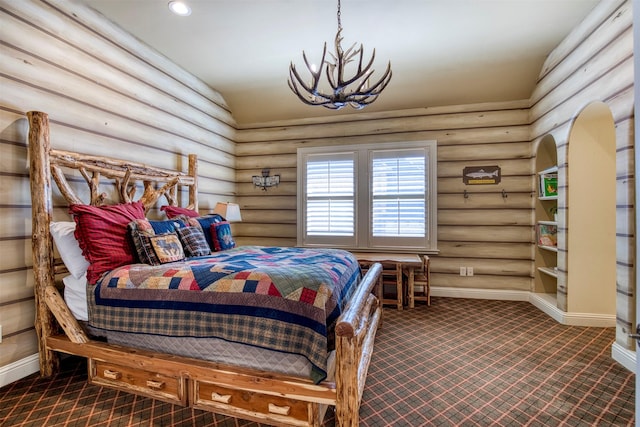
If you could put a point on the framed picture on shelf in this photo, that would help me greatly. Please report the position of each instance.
(547, 234)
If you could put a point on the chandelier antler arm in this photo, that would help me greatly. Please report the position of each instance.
(312, 89)
(378, 86)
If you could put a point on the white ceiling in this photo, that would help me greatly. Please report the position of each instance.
(442, 52)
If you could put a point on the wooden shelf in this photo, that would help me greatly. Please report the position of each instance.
(548, 222)
(549, 248)
(548, 271)
(552, 169)
(548, 197)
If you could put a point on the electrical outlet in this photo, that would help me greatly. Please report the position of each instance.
(463, 271)
(469, 271)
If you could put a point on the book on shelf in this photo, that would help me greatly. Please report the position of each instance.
(548, 184)
(547, 235)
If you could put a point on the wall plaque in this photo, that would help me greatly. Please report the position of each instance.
(481, 175)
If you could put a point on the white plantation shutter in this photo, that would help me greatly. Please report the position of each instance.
(368, 196)
(330, 195)
(398, 193)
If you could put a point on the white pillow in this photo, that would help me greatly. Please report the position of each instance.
(68, 247)
(75, 295)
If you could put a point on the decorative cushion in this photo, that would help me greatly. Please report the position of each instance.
(166, 226)
(69, 248)
(221, 236)
(154, 248)
(140, 230)
(174, 211)
(102, 234)
(167, 247)
(193, 241)
(204, 224)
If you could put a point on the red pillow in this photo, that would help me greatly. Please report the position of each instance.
(103, 235)
(174, 211)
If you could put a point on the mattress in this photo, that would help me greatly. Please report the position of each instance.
(217, 350)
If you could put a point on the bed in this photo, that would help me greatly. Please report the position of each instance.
(331, 319)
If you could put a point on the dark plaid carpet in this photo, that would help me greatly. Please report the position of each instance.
(459, 362)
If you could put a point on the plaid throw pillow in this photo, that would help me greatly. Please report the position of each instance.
(204, 224)
(102, 234)
(193, 242)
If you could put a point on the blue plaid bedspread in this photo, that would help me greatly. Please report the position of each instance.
(284, 299)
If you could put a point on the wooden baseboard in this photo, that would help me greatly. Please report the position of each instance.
(19, 369)
(547, 303)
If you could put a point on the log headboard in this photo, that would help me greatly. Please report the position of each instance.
(45, 163)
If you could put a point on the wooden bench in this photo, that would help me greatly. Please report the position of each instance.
(393, 266)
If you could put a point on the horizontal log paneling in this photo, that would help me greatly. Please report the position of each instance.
(19, 346)
(509, 150)
(484, 117)
(269, 216)
(488, 199)
(15, 293)
(508, 283)
(505, 267)
(17, 316)
(594, 36)
(106, 94)
(485, 217)
(267, 241)
(451, 137)
(484, 250)
(479, 233)
(266, 230)
(267, 200)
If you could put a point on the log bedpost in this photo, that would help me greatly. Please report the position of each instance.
(42, 244)
(193, 189)
(355, 335)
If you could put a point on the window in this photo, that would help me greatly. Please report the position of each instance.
(388, 204)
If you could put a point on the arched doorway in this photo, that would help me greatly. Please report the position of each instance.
(591, 212)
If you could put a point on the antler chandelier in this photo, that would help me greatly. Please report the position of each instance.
(355, 91)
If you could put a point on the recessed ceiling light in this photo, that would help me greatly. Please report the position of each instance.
(179, 8)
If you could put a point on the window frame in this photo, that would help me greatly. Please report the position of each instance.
(362, 239)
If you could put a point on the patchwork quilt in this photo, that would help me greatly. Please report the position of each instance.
(284, 299)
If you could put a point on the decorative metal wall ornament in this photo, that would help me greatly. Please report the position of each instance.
(361, 93)
(265, 181)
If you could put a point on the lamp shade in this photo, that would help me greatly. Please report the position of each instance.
(229, 211)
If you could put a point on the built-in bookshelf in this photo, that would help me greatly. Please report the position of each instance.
(546, 219)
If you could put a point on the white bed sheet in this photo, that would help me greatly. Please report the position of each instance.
(75, 295)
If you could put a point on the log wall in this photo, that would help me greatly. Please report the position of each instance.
(106, 94)
(594, 64)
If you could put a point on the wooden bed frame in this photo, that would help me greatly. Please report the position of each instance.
(244, 393)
